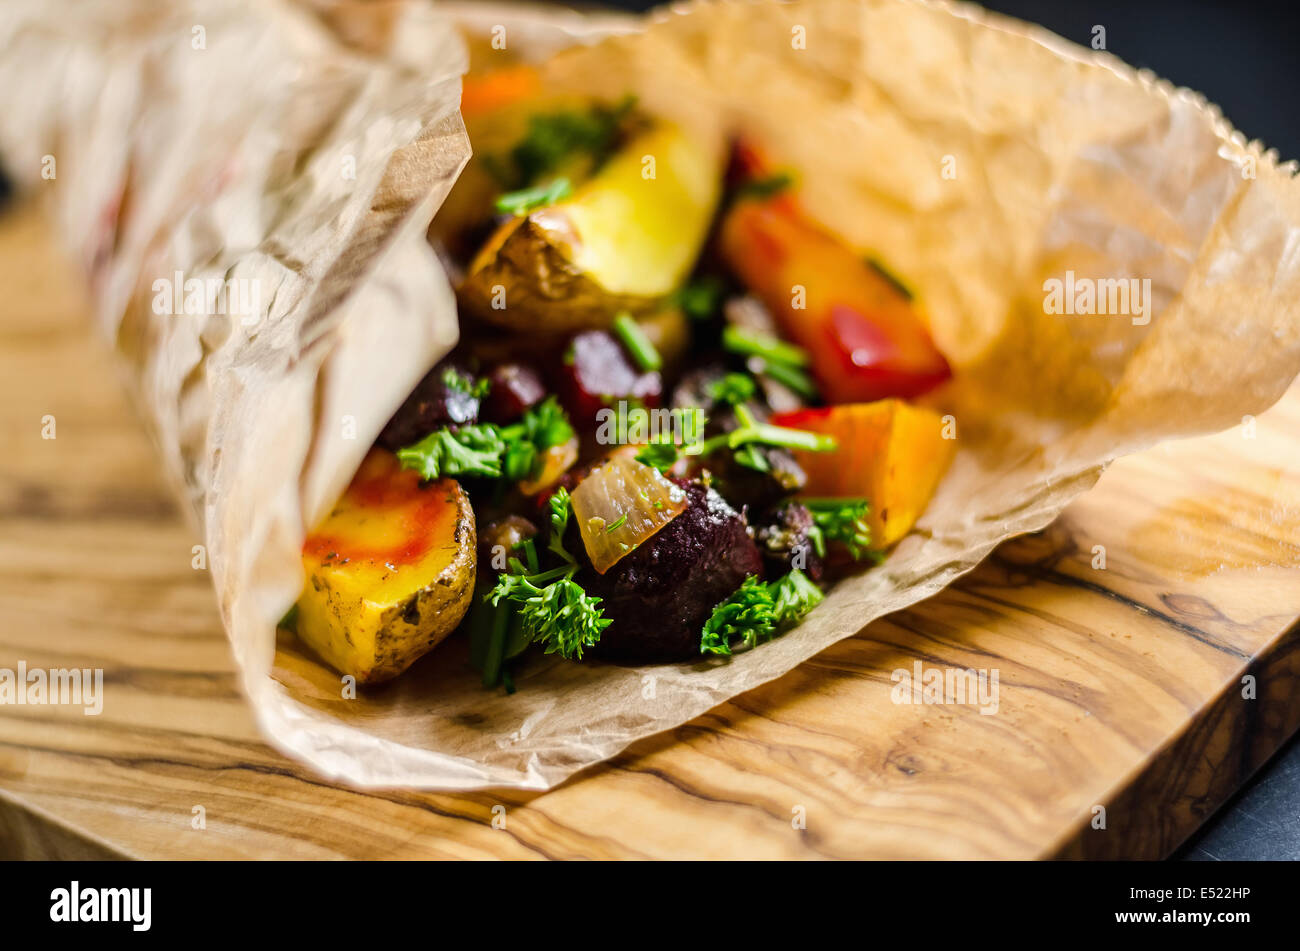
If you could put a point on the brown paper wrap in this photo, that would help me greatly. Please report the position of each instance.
(980, 157)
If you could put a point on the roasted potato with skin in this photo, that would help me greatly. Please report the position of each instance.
(622, 242)
(390, 572)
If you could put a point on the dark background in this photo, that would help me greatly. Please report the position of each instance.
(1245, 56)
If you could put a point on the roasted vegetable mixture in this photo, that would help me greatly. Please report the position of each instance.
(678, 409)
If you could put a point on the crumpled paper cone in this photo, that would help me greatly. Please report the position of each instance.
(982, 158)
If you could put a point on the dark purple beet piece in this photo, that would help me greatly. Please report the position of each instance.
(597, 372)
(782, 534)
(660, 595)
(432, 405)
(515, 388)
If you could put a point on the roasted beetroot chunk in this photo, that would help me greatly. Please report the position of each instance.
(783, 534)
(515, 388)
(660, 595)
(433, 404)
(598, 373)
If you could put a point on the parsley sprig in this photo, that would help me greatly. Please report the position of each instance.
(733, 389)
(555, 610)
(843, 521)
(660, 453)
(467, 451)
(487, 451)
(757, 611)
(553, 138)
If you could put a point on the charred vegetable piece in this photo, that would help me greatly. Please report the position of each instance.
(620, 505)
(449, 395)
(660, 595)
(890, 453)
(862, 331)
(623, 241)
(390, 572)
(785, 537)
(758, 477)
(598, 373)
(515, 388)
(497, 542)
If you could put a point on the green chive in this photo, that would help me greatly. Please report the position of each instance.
(792, 377)
(752, 343)
(765, 187)
(643, 352)
(528, 199)
(889, 277)
(617, 525)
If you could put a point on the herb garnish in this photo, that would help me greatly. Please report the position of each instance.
(750, 613)
(750, 434)
(765, 187)
(636, 343)
(660, 453)
(779, 359)
(733, 389)
(539, 196)
(554, 137)
(757, 611)
(843, 521)
(488, 451)
(468, 451)
(700, 299)
(554, 609)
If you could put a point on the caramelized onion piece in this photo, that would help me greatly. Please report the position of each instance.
(621, 504)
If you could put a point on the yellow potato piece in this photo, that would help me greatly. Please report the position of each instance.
(390, 572)
(625, 239)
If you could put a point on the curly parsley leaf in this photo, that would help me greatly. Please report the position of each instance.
(561, 507)
(749, 614)
(733, 389)
(757, 612)
(556, 611)
(662, 454)
(542, 427)
(793, 596)
(555, 137)
(486, 451)
(701, 299)
(470, 451)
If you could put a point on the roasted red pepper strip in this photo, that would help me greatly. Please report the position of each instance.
(865, 338)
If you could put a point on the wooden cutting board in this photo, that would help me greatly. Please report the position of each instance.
(1120, 687)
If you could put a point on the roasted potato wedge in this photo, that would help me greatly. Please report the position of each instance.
(623, 241)
(390, 572)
